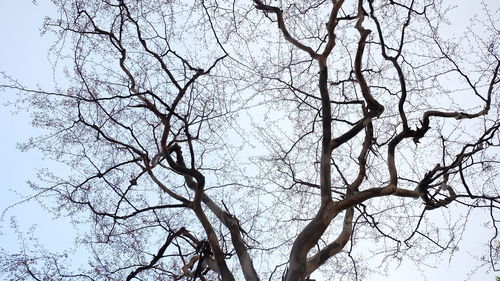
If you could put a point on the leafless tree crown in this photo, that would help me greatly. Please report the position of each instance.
(265, 140)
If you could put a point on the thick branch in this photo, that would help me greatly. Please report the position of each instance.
(281, 25)
(333, 248)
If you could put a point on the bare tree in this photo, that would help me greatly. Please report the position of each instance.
(363, 118)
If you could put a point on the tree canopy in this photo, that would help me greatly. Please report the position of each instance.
(264, 140)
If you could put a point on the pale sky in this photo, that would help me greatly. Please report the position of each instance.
(23, 55)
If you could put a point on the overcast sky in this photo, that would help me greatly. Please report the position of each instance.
(23, 55)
